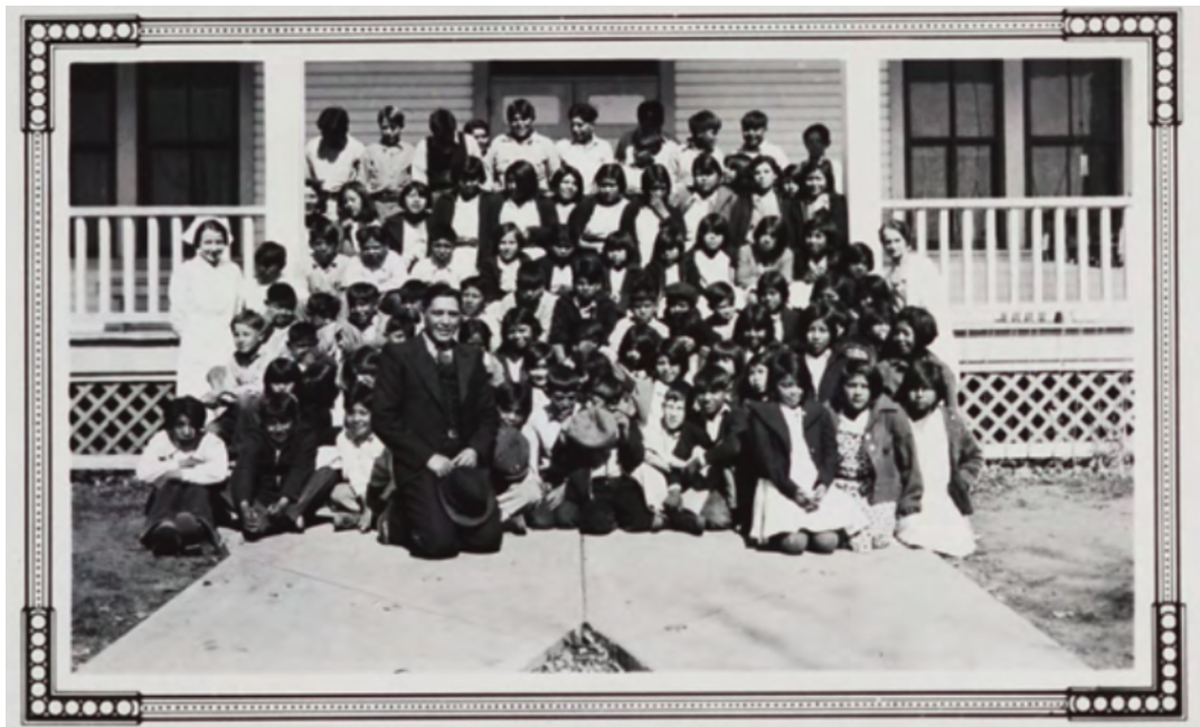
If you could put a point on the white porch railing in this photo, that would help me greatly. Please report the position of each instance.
(122, 258)
(1017, 256)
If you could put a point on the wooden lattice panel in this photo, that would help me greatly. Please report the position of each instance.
(1047, 411)
(115, 417)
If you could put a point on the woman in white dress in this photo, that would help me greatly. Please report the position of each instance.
(205, 293)
(794, 509)
(917, 282)
(948, 459)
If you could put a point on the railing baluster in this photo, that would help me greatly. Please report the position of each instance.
(944, 246)
(128, 254)
(152, 265)
(1037, 251)
(176, 243)
(968, 252)
(104, 230)
(1106, 290)
(1060, 254)
(989, 241)
(79, 262)
(923, 232)
(1083, 250)
(1014, 256)
(248, 247)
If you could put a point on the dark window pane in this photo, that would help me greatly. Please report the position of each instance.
(212, 172)
(975, 86)
(92, 119)
(1103, 177)
(1048, 101)
(169, 177)
(973, 172)
(1095, 90)
(929, 108)
(1050, 173)
(166, 115)
(92, 178)
(213, 114)
(929, 175)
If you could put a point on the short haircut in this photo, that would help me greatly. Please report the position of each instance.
(519, 316)
(703, 121)
(590, 330)
(720, 293)
(471, 126)
(820, 167)
(473, 281)
(588, 266)
(515, 396)
(419, 187)
(278, 408)
(672, 235)
(367, 212)
(876, 288)
(360, 293)
(852, 368)
(823, 312)
(754, 120)
(563, 172)
(856, 253)
(711, 378)
(520, 108)
(870, 316)
(713, 224)
(759, 161)
(405, 320)
(281, 371)
(391, 115)
(651, 113)
(899, 226)
(369, 233)
(924, 374)
(471, 169)
(776, 228)
(282, 295)
(440, 290)
(302, 333)
(531, 276)
(620, 240)
(677, 391)
(923, 324)
(333, 121)
(364, 361)
(413, 291)
(821, 131)
(252, 319)
(324, 230)
(563, 378)
(539, 352)
(187, 407)
(359, 393)
(270, 255)
(772, 280)
(644, 288)
(612, 173)
(638, 349)
(656, 175)
(706, 164)
(584, 112)
(677, 352)
(474, 327)
(753, 317)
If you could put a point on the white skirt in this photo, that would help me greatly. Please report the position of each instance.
(939, 527)
(775, 514)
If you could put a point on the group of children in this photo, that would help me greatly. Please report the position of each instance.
(695, 351)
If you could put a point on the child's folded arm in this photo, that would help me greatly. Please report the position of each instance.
(157, 460)
(213, 467)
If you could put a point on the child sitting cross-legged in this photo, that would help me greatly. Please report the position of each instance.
(187, 467)
(353, 475)
(545, 425)
(710, 448)
(662, 472)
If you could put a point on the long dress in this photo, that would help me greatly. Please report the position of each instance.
(204, 298)
(939, 526)
(776, 514)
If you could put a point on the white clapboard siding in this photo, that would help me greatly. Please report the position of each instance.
(416, 88)
(793, 95)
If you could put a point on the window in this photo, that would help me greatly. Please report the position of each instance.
(1073, 127)
(953, 129)
(188, 134)
(93, 130)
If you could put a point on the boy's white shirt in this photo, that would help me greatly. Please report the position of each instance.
(356, 460)
(460, 267)
(545, 433)
(391, 273)
(162, 455)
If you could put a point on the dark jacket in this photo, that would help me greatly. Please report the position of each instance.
(629, 225)
(265, 472)
(489, 221)
(742, 211)
(889, 443)
(411, 416)
(392, 231)
(566, 319)
(838, 214)
(489, 270)
(772, 445)
(892, 371)
(582, 214)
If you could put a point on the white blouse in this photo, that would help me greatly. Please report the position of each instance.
(816, 364)
(524, 216)
(717, 268)
(606, 220)
(466, 219)
(162, 455)
(647, 225)
(508, 273)
(803, 472)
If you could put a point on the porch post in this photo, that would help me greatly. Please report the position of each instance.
(864, 147)
(283, 139)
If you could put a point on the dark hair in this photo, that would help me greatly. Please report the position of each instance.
(672, 235)
(539, 351)
(364, 360)
(923, 374)
(369, 233)
(530, 276)
(706, 163)
(251, 318)
(655, 175)
(876, 288)
(725, 350)
(822, 311)
(677, 352)
(856, 253)
(870, 316)
(515, 396)
(620, 240)
(711, 378)
(568, 171)
(333, 122)
(442, 123)
(520, 108)
(518, 316)
(677, 391)
(718, 293)
(270, 254)
(772, 280)
(753, 317)
(777, 229)
(471, 169)
(590, 330)
(703, 121)
(818, 167)
(302, 332)
(188, 407)
(420, 188)
(788, 365)
(278, 408)
(282, 295)
(472, 327)
(754, 120)
(638, 349)
(644, 287)
(362, 292)
(474, 124)
(392, 115)
(523, 177)
(391, 302)
(324, 230)
(588, 266)
(822, 132)
(852, 368)
(413, 291)
(359, 393)
(757, 162)
(651, 113)
(440, 290)
(209, 226)
(923, 324)
(510, 228)
(405, 319)
(281, 371)
(614, 173)
(713, 223)
(845, 289)
(583, 111)
(563, 378)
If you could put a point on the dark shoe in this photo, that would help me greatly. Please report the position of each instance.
(687, 521)
(516, 525)
(165, 539)
(190, 529)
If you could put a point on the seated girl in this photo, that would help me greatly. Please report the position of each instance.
(722, 301)
(709, 261)
(521, 205)
(772, 292)
(649, 211)
(821, 326)
(566, 191)
(468, 208)
(768, 251)
(912, 333)
(599, 215)
(875, 452)
(622, 273)
(519, 330)
(447, 261)
(934, 513)
(186, 467)
(499, 270)
(514, 467)
(235, 384)
(794, 439)
(754, 331)
(356, 211)
(376, 264)
(356, 471)
(706, 197)
(665, 264)
(818, 198)
(406, 233)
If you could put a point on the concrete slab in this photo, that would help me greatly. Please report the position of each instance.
(340, 602)
(730, 608)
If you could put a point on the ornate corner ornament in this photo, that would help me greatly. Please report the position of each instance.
(1163, 699)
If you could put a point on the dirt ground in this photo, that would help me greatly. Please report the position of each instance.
(1057, 547)
(116, 582)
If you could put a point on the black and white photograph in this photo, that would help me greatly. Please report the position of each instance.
(467, 363)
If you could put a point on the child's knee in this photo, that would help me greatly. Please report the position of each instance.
(793, 543)
(826, 542)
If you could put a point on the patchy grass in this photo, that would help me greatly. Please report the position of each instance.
(1056, 545)
(586, 650)
(116, 582)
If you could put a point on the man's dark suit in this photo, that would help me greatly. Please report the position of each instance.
(413, 418)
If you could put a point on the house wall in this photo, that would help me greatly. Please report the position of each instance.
(417, 88)
(793, 94)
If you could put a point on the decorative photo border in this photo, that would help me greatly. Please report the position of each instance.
(42, 37)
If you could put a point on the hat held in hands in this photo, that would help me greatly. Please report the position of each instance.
(592, 427)
(510, 462)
